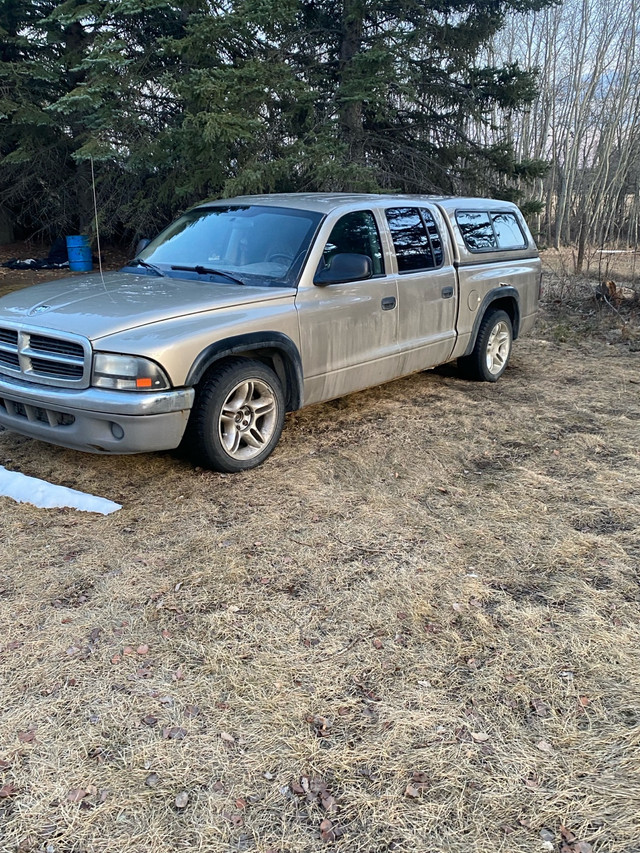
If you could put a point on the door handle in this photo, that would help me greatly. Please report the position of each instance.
(447, 292)
(388, 303)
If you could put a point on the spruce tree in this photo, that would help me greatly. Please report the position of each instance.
(83, 81)
(176, 103)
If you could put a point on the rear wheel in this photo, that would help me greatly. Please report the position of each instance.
(490, 355)
(237, 416)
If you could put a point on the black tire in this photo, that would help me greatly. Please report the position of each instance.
(492, 349)
(251, 395)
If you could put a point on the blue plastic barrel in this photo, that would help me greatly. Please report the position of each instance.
(79, 253)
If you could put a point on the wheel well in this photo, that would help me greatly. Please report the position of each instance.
(277, 361)
(510, 306)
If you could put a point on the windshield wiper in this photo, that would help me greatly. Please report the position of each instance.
(210, 271)
(147, 265)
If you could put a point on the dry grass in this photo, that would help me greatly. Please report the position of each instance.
(599, 264)
(578, 307)
(416, 565)
(620, 267)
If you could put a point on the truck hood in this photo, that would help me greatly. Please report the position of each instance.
(93, 307)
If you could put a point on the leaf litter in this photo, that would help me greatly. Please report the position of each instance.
(539, 653)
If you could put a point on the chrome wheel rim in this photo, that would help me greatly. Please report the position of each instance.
(248, 419)
(498, 347)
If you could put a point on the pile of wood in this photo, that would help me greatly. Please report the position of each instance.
(614, 294)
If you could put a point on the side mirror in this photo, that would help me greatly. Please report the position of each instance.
(142, 244)
(345, 266)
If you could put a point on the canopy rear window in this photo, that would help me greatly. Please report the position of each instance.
(486, 231)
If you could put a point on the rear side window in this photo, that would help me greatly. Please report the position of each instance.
(483, 231)
(434, 237)
(415, 237)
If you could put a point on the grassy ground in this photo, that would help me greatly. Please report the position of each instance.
(414, 629)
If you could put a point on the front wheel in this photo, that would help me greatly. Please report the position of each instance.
(490, 355)
(237, 417)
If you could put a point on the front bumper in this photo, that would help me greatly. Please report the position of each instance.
(96, 420)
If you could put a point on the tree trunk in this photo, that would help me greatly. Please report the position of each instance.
(350, 101)
(7, 234)
(75, 45)
(582, 240)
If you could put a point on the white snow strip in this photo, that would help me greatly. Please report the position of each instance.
(31, 490)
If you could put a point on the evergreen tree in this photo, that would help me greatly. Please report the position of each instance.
(180, 102)
(354, 95)
(402, 86)
(82, 81)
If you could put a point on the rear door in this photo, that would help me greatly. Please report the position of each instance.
(427, 285)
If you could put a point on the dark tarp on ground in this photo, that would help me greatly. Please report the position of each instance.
(56, 259)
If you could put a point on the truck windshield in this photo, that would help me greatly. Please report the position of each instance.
(251, 244)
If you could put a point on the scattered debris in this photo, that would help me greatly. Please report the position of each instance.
(182, 800)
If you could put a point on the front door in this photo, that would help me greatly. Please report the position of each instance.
(348, 331)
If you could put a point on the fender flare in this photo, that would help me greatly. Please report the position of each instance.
(274, 341)
(496, 295)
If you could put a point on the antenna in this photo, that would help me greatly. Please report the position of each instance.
(95, 210)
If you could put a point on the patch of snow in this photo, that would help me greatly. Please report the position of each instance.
(45, 495)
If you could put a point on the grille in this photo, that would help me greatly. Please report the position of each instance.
(9, 358)
(49, 359)
(59, 347)
(36, 413)
(57, 368)
(9, 336)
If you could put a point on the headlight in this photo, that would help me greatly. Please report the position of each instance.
(127, 373)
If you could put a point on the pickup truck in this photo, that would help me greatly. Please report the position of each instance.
(247, 308)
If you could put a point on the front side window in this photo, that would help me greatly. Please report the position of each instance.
(356, 233)
(415, 238)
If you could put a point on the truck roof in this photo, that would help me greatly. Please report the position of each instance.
(328, 202)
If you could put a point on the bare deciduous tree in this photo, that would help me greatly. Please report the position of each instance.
(585, 121)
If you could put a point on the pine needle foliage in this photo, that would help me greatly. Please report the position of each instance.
(179, 102)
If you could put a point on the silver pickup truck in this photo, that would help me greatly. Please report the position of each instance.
(247, 308)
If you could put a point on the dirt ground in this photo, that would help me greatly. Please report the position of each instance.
(415, 628)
